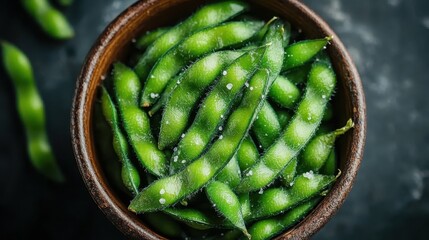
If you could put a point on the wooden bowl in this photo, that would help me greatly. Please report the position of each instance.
(115, 42)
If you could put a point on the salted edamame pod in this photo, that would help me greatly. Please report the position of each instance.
(268, 228)
(135, 121)
(193, 47)
(319, 148)
(31, 112)
(207, 16)
(201, 171)
(277, 200)
(129, 173)
(49, 19)
(189, 88)
(302, 127)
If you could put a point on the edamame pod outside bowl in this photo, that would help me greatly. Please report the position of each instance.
(115, 44)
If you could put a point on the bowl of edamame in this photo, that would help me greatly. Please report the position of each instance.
(218, 119)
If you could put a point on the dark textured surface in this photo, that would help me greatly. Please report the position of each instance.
(387, 39)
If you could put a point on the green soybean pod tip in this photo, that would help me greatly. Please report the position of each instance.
(301, 52)
(49, 19)
(227, 203)
(31, 111)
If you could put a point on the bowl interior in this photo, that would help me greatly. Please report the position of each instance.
(116, 44)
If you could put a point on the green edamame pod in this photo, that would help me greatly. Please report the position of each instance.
(196, 219)
(227, 203)
(164, 225)
(148, 38)
(266, 127)
(207, 16)
(301, 52)
(330, 166)
(107, 155)
(214, 109)
(189, 88)
(318, 149)
(285, 93)
(201, 171)
(307, 119)
(247, 154)
(31, 112)
(193, 47)
(135, 121)
(230, 174)
(268, 228)
(130, 175)
(49, 19)
(277, 200)
(289, 173)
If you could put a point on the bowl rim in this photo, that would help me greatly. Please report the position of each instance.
(130, 224)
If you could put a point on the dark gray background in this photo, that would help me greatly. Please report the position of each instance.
(388, 40)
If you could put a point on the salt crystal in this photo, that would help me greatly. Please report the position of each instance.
(309, 175)
(224, 73)
(183, 161)
(183, 135)
(221, 136)
(220, 128)
(175, 158)
(162, 201)
(323, 96)
(229, 86)
(251, 88)
(261, 191)
(162, 191)
(246, 84)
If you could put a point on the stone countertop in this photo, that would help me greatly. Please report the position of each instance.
(388, 40)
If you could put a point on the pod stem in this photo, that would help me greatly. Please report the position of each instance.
(341, 131)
